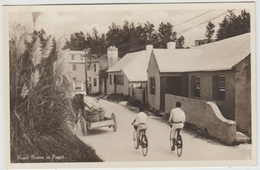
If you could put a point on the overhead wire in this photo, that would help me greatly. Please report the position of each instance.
(194, 18)
(204, 13)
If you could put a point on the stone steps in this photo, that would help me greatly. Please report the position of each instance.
(242, 138)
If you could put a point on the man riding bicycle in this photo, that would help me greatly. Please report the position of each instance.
(140, 123)
(177, 119)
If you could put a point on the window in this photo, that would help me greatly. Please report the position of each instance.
(74, 67)
(122, 79)
(219, 89)
(95, 81)
(74, 79)
(152, 85)
(195, 86)
(72, 57)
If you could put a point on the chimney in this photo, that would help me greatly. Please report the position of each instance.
(148, 49)
(171, 45)
(112, 56)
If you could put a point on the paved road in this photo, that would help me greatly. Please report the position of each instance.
(118, 146)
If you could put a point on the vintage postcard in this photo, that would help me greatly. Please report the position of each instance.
(130, 85)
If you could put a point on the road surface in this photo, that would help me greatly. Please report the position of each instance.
(118, 146)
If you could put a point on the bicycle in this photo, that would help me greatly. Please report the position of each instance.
(143, 141)
(178, 143)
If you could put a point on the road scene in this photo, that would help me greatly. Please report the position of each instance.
(118, 146)
(78, 94)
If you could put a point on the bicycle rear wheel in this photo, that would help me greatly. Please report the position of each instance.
(144, 144)
(179, 145)
(171, 140)
(135, 140)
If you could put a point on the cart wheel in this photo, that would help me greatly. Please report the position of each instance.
(87, 126)
(115, 123)
(83, 126)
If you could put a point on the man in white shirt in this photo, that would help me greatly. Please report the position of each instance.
(140, 122)
(177, 119)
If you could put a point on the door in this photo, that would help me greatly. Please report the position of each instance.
(115, 77)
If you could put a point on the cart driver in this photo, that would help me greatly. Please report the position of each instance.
(140, 122)
(96, 104)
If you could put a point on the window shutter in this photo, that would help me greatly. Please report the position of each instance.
(215, 87)
(122, 79)
(192, 85)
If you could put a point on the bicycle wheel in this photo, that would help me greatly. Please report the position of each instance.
(135, 140)
(179, 145)
(144, 144)
(171, 140)
(115, 123)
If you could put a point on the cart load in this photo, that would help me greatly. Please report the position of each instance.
(94, 115)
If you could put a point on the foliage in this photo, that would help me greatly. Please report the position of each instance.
(209, 31)
(40, 94)
(96, 42)
(233, 25)
(166, 34)
(180, 42)
(77, 41)
(127, 38)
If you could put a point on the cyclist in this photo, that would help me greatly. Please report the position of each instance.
(177, 119)
(140, 122)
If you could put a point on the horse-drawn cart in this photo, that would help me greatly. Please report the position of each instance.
(96, 119)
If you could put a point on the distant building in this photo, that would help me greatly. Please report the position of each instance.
(129, 72)
(76, 68)
(201, 42)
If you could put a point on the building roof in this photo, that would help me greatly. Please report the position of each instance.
(103, 61)
(134, 65)
(220, 55)
(74, 52)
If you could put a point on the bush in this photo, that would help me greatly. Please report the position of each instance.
(40, 95)
(117, 97)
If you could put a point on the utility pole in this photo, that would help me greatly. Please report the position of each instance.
(86, 70)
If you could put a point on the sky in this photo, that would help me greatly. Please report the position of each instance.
(67, 22)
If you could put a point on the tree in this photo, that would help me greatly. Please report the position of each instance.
(150, 34)
(166, 34)
(96, 43)
(180, 42)
(114, 35)
(233, 25)
(209, 31)
(77, 41)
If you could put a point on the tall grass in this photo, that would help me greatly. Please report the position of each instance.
(39, 91)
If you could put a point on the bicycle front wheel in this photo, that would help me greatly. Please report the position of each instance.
(179, 145)
(144, 144)
(135, 140)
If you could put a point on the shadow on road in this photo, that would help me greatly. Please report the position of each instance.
(100, 131)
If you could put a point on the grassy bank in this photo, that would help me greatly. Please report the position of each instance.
(66, 148)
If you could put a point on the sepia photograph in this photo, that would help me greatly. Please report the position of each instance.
(130, 85)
